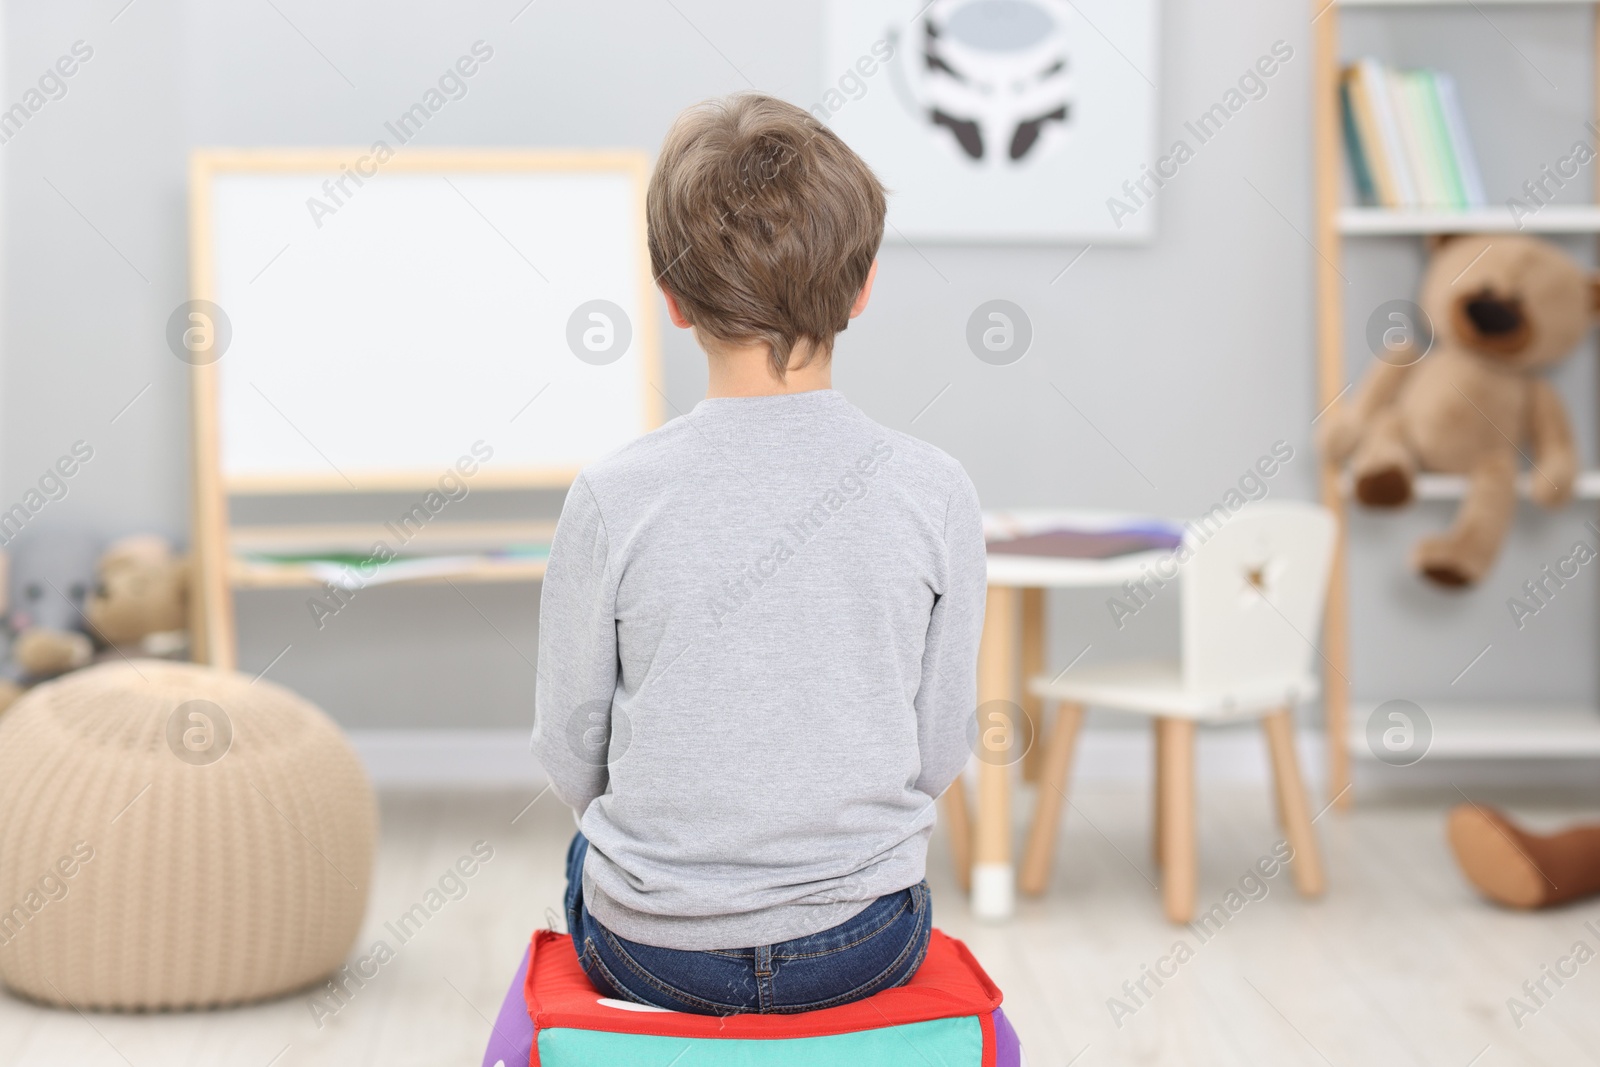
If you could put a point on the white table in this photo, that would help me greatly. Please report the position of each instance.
(1012, 650)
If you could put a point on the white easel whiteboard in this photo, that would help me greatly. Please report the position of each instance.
(380, 329)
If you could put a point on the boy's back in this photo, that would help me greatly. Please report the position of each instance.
(759, 628)
(756, 667)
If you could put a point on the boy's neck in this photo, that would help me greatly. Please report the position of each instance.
(746, 370)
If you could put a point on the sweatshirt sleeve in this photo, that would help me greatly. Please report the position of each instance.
(577, 664)
(947, 699)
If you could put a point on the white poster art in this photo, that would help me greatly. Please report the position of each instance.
(998, 120)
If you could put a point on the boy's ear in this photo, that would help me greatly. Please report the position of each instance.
(674, 312)
(866, 292)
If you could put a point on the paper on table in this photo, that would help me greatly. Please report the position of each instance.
(1086, 544)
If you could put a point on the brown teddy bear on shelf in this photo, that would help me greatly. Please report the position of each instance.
(1502, 307)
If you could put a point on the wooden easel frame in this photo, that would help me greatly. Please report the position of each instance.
(213, 631)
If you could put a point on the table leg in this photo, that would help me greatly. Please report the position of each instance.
(993, 872)
(1158, 777)
(958, 820)
(1033, 639)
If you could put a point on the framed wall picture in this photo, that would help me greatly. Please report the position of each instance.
(999, 120)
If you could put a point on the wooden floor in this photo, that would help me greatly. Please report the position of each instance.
(1400, 964)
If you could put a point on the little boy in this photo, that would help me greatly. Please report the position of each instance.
(759, 628)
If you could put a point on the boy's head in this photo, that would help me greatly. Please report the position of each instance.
(763, 224)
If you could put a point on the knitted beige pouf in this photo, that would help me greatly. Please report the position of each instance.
(172, 836)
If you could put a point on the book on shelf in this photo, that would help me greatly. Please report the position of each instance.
(1406, 139)
(1456, 127)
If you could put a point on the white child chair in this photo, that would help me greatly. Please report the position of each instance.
(1252, 587)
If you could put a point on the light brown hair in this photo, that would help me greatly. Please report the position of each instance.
(763, 224)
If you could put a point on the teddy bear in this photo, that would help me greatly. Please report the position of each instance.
(51, 578)
(132, 600)
(1500, 308)
(140, 602)
(10, 690)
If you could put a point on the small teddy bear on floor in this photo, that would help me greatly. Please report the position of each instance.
(132, 601)
(1502, 308)
(51, 577)
(1519, 869)
(140, 602)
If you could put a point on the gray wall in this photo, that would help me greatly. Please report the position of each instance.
(1184, 360)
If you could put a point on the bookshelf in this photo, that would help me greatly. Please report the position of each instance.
(1461, 731)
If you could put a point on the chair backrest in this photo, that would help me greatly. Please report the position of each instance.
(1253, 592)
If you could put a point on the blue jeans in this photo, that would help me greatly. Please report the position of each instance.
(877, 949)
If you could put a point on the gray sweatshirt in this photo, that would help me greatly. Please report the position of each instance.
(758, 640)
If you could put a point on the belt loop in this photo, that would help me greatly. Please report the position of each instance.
(763, 964)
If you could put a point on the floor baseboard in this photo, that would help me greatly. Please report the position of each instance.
(467, 760)
(499, 759)
(448, 759)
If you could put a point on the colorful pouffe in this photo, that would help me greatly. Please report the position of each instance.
(948, 1014)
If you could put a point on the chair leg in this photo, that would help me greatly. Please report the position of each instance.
(1038, 857)
(1293, 809)
(958, 817)
(1158, 837)
(1178, 860)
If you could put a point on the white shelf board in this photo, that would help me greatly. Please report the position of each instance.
(1496, 731)
(1454, 486)
(1391, 222)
